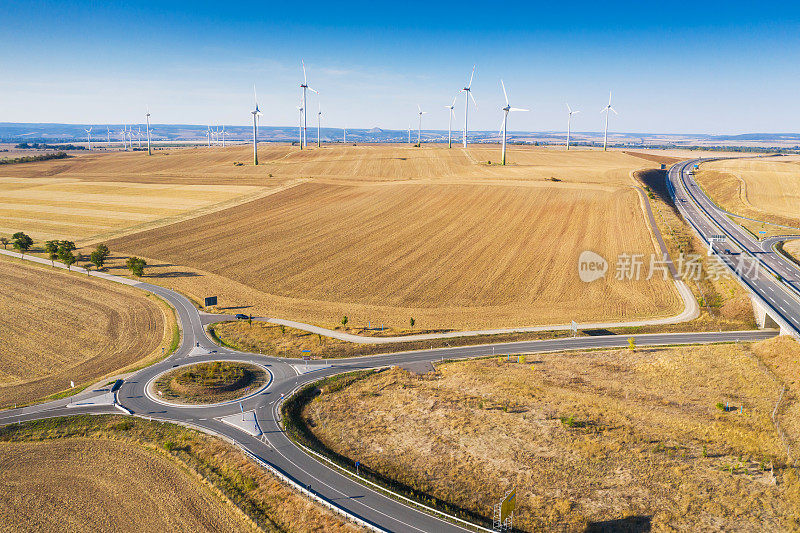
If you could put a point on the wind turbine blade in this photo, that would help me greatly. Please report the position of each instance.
(312, 90)
(575, 112)
(255, 96)
(419, 109)
(473, 100)
(454, 102)
(614, 110)
(504, 90)
(305, 80)
(469, 85)
(518, 109)
(609, 98)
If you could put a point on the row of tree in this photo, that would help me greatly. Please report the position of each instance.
(65, 251)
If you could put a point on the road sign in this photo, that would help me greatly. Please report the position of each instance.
(508, 505)
(209, 301)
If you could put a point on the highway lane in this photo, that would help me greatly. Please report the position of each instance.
(763, 272)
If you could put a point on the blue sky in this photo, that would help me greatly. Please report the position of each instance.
(699, 67)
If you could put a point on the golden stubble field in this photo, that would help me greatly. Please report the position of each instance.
(764, 189)
(83, 484)
(588, 438)
(384, 233)
(59, 327)
(379, 233)
(117, 473)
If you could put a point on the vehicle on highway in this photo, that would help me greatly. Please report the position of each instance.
(242, 316)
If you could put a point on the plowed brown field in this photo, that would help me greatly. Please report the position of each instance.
(59, 327)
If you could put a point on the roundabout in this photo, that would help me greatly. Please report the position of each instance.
(209, 383)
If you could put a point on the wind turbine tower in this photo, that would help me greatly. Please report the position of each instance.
(256, 113)
(319, 123)
(300, 123)
(451, 107)
(108, 137)
(89, 136)
(506, 110)
(419, 127)
(607, 110)
(305, 86)
(467, 95)
(569, 120)
(149, 152)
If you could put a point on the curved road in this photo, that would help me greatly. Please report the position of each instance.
(274, 447)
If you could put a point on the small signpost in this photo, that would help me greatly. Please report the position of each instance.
(714, 239)
(503, 519)
(574, 328)
(306, 358)
(209, 301)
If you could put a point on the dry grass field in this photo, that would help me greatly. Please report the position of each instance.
(793, 249)
(765, 189)
(114, 473)
(59, 327)
(588, 438)
(82, 484)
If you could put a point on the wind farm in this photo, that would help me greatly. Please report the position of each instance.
(523, 316)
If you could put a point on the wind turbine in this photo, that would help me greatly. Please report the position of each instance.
(451, 107)
(506, 110)
(606, 110)
(319, 123)
(569, 120)
(149, 152)
(89, 136)
(208, 134)
(138, 136)
(108, 136)
(256, 113)
(123, 131)
(409, 134)
(344, 135)
(224, 133)
(419, 128)
(305, 86)
(467, 95)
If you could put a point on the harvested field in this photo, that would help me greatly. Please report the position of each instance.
(60, 327)
(115, 473)
(653, 436)
(450, 255)
(764, 189)
(84, 211)
(82, 484)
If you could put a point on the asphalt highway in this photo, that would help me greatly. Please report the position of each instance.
(763, 271)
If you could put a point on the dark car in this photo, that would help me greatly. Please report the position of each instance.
(242, 316)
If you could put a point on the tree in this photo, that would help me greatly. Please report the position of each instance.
(51, 247)
(22, 242)
(5, 242)
(136, 266)
(67, 246)
(344, 321)
(412, 322)
(97, 258)
(103, 249)
(67, 257)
